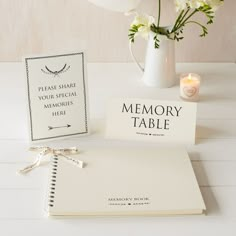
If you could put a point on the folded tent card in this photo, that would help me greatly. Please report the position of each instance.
(57, 96)
(151, 120)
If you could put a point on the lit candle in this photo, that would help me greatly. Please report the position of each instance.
(189, 87)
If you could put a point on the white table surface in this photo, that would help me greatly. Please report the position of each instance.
(213, 157)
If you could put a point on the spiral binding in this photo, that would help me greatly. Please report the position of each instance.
(52, 187)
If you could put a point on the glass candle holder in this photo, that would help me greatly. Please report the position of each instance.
(190, 86)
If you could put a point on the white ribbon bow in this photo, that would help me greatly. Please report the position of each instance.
(44, 151)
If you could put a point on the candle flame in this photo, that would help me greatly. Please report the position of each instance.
(190, 76)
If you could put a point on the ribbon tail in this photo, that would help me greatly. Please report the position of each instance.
(31, 166)
(73, 161)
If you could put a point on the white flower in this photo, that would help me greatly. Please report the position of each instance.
(195, 4)
(180, 5)
(143, 22)
(183, 4)
(214, 4)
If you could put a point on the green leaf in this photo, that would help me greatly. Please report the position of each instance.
(156, 41)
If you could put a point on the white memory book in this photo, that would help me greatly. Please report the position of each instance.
(125, 182)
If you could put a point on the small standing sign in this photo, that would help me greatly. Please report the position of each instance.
(57, 96)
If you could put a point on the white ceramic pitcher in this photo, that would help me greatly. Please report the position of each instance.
(159, 68)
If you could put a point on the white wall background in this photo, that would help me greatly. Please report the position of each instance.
(41, 26)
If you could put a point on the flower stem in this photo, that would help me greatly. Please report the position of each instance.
(159, 13)
(178, 20)
(194, 22)
(182, 18)
(185, 20)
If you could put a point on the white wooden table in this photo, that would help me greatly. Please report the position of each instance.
(213, 157)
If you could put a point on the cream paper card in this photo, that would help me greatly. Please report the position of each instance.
(124, 181)
(151, 120)
(57, 96)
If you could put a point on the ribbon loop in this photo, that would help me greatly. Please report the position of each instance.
(44, 151)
